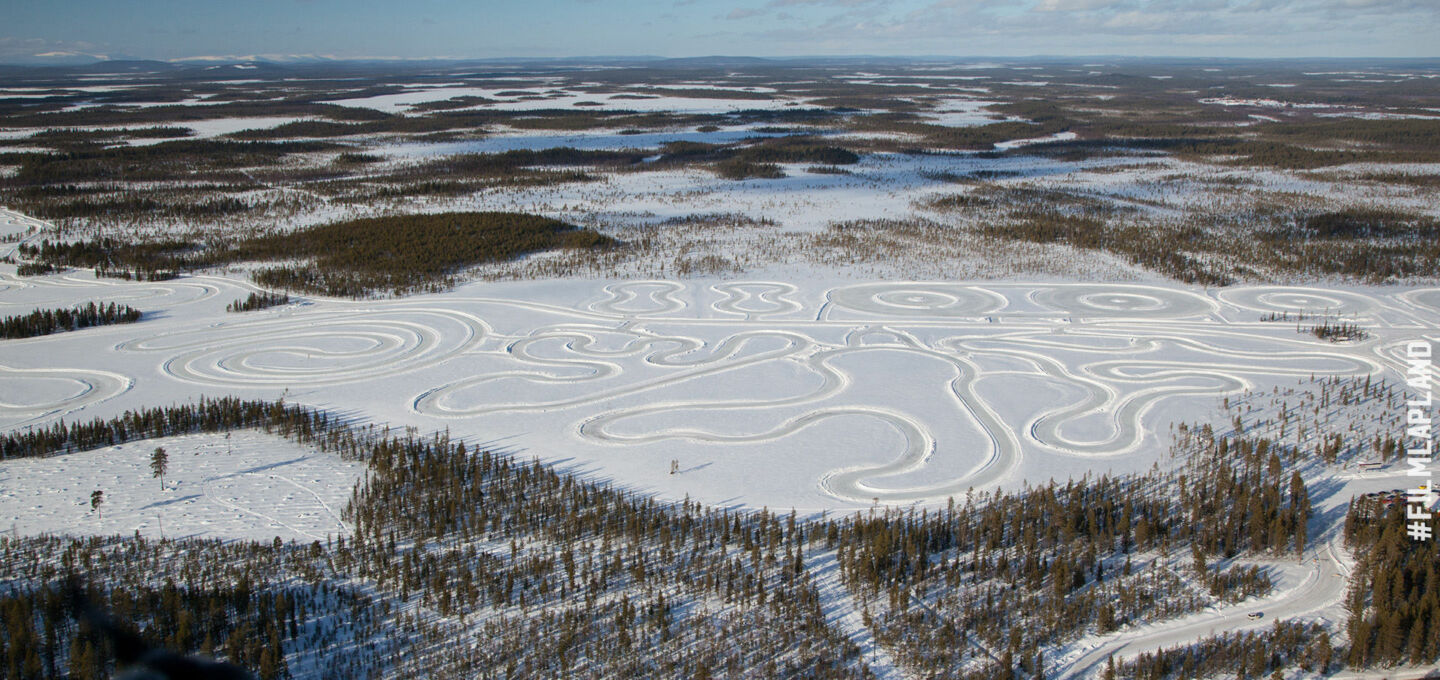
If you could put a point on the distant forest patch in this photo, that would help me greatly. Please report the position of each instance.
(355, 258)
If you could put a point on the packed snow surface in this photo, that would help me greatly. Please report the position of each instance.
(810, 394)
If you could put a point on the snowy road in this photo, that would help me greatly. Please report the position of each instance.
(1321, 584)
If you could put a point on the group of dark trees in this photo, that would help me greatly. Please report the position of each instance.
(259, 300)
(353, 258)
(207, 415)
(276, 610)
(152, 261)
(1394, 596)
(139, 204)
(1338, 331)
(406, 253)
(47, 321)
(1214, 248)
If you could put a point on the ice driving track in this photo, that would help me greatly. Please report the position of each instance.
(635, 366)
(1128, 329)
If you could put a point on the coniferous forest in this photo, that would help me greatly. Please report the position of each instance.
(353, 258)
(47, 321)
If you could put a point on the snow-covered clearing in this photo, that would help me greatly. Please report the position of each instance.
(244, 485)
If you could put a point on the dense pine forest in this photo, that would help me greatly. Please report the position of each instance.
(354, 258)
(546, 575)
(47, 321)
(1394, 598)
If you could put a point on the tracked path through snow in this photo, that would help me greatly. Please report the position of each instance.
(892, 392)
(1322, 585)
(314, 348)
(1136, 347)
(23, 396)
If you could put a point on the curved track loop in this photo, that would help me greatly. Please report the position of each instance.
(323, 348)
(1426, 298)
(673, 352)
(1123, 369)
(743, 298)
(637, 299)
(1299, 300)
(1124, 390)
(65, 290)
(917, 300)
(1122, 301)
(90, 387)
(636, 366)
(855, 484)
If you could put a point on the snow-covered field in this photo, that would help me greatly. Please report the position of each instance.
(245, 485)
(812, 394)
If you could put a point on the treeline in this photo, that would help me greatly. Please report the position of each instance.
(595, 581)
(149, 261)
(1365, 223)
(160, 115)
(207, 415)
(132, 204)
(259, 300)
(737, 169)
(326, 128)
(249, 628)
(82, 136)
(278, 610)
(47, 321)
(1241, 494)
(1158, 250)
(1213, 248)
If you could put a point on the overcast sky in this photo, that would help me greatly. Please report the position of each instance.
(171, 29)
